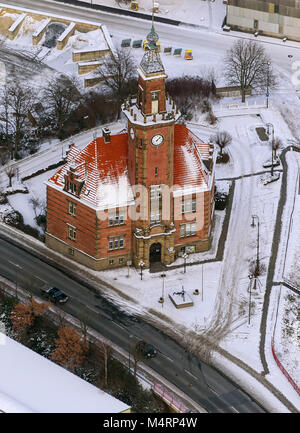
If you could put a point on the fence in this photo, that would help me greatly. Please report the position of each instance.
(169, 399)
(283, 370)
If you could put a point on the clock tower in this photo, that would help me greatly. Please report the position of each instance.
(151, 119)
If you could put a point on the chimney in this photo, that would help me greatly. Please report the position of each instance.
(106, 134)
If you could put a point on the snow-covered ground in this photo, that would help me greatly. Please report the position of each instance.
(223, 313)
(201, 13)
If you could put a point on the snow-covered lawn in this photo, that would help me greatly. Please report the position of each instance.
(287, 333)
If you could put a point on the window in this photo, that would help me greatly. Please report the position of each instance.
(154, 95)
(156, 171)
(111, 261)
(116, 218)
(276, 9)
(72, 208)
(71, 251)
(72, 232)
(121, 260)
(155, 203)
(188, 204)
(188, 229)
(115, 243)
(255, 25)
(72, 187)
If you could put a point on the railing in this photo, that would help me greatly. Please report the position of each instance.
(169, 399)
(292, 382)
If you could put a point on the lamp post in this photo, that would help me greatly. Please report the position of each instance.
(141, 265)
(270, 132)
(162, 298)
(185, 256)
(256, 272)
(250, 284)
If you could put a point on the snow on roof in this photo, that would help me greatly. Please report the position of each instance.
(103, 169)
(31, 383)
(189, 151)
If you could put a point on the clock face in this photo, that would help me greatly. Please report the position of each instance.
(132, 133)
(157, 140)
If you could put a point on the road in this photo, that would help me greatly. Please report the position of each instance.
(205, 43)
(199, 381)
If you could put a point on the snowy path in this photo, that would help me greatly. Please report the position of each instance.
(227, 298)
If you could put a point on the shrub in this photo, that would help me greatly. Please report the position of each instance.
(220, 200)
(3, 199)
(32, 231)
(211, 118)
(223, 159)
(41, 220)
(14, 218)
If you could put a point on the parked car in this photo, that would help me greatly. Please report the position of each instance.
(146, 349)
(55, 295)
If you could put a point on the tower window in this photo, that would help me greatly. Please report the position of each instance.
(154, 96)
(156, 171)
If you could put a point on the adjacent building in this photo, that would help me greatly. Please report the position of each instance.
(30, 383)
(144, 195)
(279, 18)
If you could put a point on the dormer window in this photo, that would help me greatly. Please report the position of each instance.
(72, 188)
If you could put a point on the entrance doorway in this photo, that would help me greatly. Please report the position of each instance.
(155, 253)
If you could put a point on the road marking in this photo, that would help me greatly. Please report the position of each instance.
(191, 374)
(170, 359)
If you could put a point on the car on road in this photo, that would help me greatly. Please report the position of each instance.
(55, 295)
(146, 349)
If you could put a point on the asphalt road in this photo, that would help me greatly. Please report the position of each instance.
(199, 381)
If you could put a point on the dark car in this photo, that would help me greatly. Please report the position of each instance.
(146, 349)
(55, 295)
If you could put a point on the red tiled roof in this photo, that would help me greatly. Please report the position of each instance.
(99, 165)
(189, 150)
(103, 168)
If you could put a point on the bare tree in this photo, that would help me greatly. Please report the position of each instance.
(11, 172)
(106, 349)
(36, 204)
(117, 73)
(62, 97)
(222, 139)
(276, 145)
(17, 101)
(247, 64)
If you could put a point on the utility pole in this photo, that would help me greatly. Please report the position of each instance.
(250, 284)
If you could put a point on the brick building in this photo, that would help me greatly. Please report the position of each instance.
(277, 18)
(144, 195)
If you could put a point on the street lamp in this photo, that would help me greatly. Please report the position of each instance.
(162, 299)
(270, 132)
(185, 256)
(256, 272)
(141, 265)
(250, 284)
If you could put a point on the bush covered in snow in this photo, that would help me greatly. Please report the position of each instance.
(13, 218)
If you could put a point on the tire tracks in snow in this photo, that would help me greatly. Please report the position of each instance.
(227, 298)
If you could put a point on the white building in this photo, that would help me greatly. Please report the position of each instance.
(31, 383)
